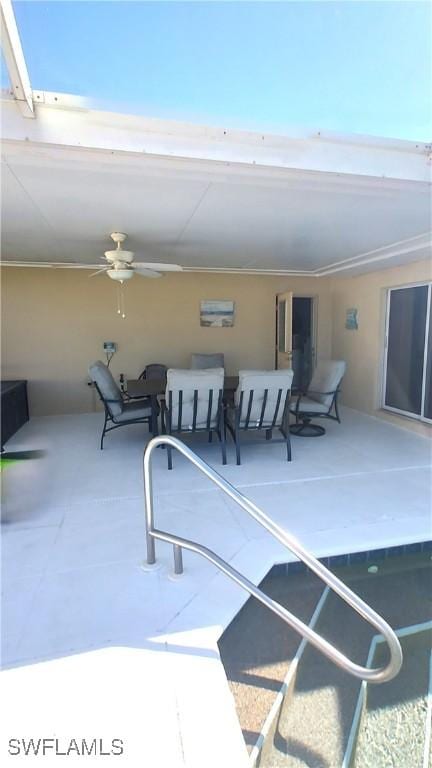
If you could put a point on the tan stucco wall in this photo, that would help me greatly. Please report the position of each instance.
(54, 323)
(363, 349)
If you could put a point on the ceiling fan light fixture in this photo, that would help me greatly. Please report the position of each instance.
(120, 274)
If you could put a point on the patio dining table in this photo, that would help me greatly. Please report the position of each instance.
(154, 387)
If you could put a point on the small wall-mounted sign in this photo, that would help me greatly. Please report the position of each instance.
(110, 348)
(351, 319)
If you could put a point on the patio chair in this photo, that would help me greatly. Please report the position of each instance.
(319, 400)
(261, 402)
(154, 371)
(193, 403)
(200, 360)
(119, 409)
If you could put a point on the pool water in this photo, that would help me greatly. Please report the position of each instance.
(393, 725)
(310, 722)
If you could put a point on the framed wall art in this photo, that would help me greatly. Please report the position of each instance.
(351, 319)
(217, 314)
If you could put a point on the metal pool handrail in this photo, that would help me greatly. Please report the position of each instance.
(378, 675)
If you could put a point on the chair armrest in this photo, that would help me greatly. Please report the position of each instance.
(314, 392)
(127, 396)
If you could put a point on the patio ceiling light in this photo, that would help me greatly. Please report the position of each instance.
(120, 274)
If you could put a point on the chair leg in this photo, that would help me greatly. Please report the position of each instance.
(163, 426)
(237, 445)
(288, 445)
(153, 422)
(169, 457)
(268, 434)
(285, 431)
(103, 432)
(222, 436)
(210, 437)
(306, 429)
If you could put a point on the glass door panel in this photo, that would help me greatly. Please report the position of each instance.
(284, 330)
(281, 325)
(427, 413)
(405, 349)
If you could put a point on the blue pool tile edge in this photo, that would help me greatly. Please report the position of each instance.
(355, 558)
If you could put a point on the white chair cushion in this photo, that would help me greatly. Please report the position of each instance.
(102, 376)
(187, 381)
(310, 406)
(134, 410)
(259, 381)
(327, 377)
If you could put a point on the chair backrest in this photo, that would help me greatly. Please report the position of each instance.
(194, 398)
(262, 396)
(200, 360)
(154, 371)
(109, 391)
(326, 378)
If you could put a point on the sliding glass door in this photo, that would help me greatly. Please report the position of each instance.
(427, 408)
(408, 369)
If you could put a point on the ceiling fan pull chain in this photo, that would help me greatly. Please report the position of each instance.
(123, 305)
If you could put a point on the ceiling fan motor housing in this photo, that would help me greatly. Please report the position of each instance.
(120, 256)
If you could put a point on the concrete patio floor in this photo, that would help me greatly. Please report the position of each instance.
(123, 652)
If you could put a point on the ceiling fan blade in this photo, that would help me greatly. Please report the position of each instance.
(156, 265)
(144, 272)
(49, 264)
(104, 269)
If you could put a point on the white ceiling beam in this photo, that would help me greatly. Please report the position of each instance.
(420, 244)
(14, 58)
(64, 121)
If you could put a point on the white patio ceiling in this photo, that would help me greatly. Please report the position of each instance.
(207, 199)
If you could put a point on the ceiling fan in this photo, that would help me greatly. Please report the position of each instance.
(121, 266)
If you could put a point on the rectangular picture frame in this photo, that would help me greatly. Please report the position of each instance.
(216, 313)
(351, 319)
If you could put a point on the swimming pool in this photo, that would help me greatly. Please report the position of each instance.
(295, 707)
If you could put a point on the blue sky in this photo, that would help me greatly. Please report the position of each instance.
(362, 67)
